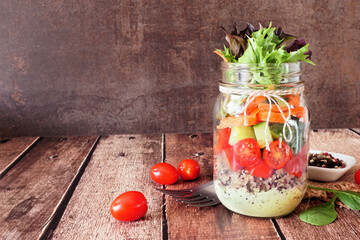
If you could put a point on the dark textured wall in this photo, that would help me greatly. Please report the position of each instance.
(103, 67)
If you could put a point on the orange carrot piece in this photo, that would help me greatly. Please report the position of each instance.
(278, 118)
(238, 121)
(274, 117)
(274, 108)
(254, 104)
(298, 112)
(294, 100)
(255, 112)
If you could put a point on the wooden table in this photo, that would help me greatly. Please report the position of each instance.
(62, 188)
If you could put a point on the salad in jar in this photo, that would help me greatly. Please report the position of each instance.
(261, 123)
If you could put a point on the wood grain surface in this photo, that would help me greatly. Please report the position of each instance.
(32, 190)
(209, 222)
(348, 222)
(12, 149)
(77, 67)
(119, 164)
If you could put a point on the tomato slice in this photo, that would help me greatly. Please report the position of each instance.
(223, 140)
(278, 156)
(261, 170)
(298, 163)
(247, 152)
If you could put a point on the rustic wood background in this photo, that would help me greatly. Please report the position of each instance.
(70, 67)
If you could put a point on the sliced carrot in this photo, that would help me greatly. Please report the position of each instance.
(298, 112)
(278, 118)
(254, 104)
(255, 112)
(274, 117)
(238, 121)
(294, 99)
(274, 108)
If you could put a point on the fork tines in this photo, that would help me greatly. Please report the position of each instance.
(200, 196)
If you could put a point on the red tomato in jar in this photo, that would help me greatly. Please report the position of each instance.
(357, 176)
(247, 152)
(234, 164)
(189, 169)
(223, 140)
(129, 206)
(278, 156)
(261, 170)
(164, 173)
(298, 163)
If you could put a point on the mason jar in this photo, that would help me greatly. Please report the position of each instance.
(261, 133)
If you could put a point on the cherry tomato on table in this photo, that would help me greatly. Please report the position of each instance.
(278, 156)
(189, 169)
(164, 173)
(247, 152)
(261, 170)
(357, 176)
(129, 206)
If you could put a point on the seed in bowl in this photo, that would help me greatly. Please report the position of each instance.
(325, 160)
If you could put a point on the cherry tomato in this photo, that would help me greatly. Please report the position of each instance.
(129, 206)
(298, 163)
(278, 156)
(357, 176)
(223, 139)
(261, 170)
(189, 169)
(247, 152)
(234, 164)
(164, 173)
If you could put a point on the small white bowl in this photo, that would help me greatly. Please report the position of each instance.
(330, 174)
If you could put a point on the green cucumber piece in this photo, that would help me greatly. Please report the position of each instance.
(260, 130)
(240, 133)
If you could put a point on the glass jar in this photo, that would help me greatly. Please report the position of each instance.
(261, 134)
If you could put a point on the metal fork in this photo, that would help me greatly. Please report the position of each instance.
(199, 196)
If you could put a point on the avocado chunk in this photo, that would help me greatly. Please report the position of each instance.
(240, 133)
(260, 130)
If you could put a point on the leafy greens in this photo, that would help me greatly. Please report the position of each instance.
(325, 213)
(262, 47)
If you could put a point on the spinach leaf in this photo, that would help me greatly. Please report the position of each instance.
(320, 215)
(351, 199)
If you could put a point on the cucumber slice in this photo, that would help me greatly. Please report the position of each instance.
(240, 133)
(260, 130)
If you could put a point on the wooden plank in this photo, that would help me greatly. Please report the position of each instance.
(210, 222)
(348, 222)
(119, 164)
(11, 149)
(31, 191)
